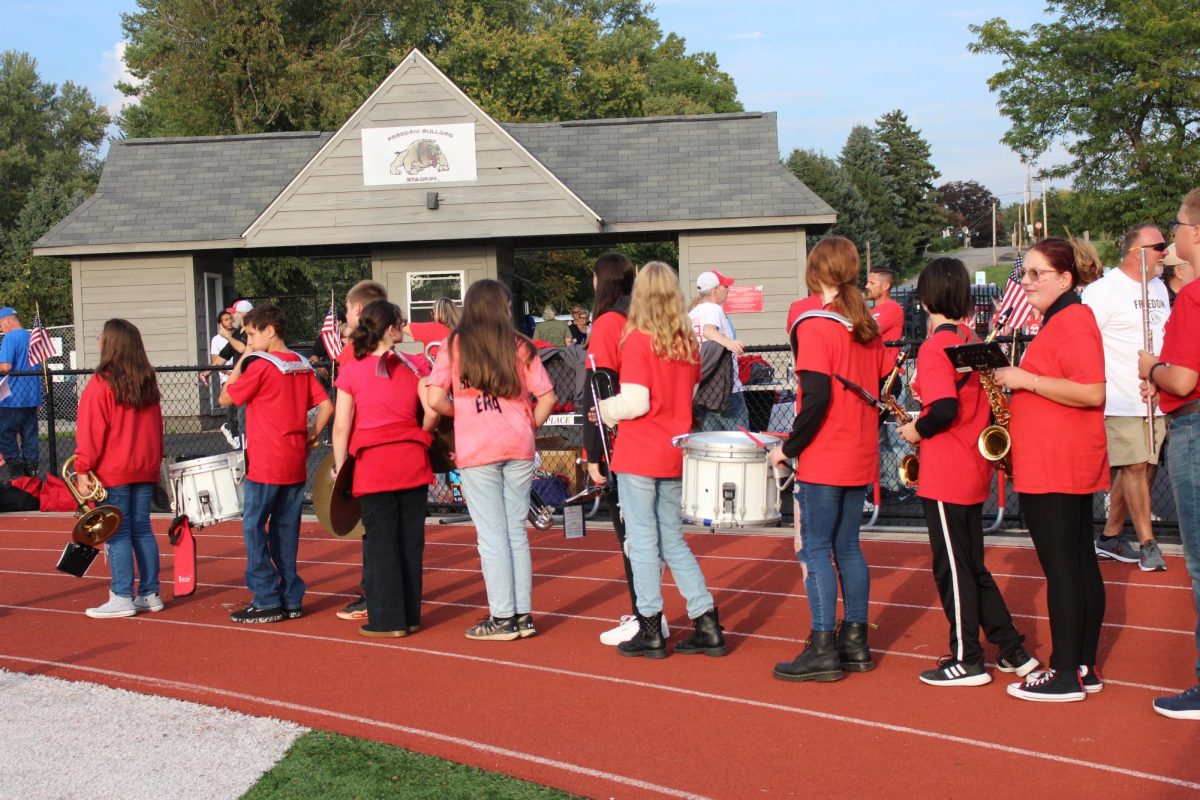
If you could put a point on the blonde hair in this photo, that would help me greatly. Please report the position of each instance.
(656, 309)
(446, 312)
(834, 262)
(1087, 261)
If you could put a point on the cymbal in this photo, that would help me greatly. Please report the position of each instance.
(337, 509)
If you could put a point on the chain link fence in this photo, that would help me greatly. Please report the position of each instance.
(195, 426)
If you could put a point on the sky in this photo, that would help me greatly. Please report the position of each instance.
(821, 67)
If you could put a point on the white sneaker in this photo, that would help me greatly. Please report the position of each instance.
(149, 602)
(117, 606)
(626, 629)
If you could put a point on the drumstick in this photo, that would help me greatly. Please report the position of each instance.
(766, 449)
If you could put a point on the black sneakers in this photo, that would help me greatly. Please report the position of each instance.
(1091, 679)
(253, 613)
(1050, 687)
(524, 623)
(492, 628)
(1017, 661)
(950, 672)
(293, 613)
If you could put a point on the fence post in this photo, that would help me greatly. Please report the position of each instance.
(51, 433)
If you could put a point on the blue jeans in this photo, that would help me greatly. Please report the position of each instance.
(1183, 456)
(653, 529)
(133, 540)
(735, 415)
(271, 530)
(19, 423)
(497, 498)
(829, 520)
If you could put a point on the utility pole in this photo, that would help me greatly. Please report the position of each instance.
(993, 233)
(1045, 212)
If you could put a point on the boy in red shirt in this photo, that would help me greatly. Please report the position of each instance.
(278, 388)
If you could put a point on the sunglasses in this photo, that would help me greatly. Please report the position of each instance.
(1176, 224)
(1158, 246)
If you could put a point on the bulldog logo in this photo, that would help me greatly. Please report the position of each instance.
(421, 155)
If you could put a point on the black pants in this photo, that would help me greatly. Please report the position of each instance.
(614, 512)
(393, 548)
(1061, 527)
(969, 594)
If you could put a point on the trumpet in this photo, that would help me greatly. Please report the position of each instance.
(95, 525)
(909, 468)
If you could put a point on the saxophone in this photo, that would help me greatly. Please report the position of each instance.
(910, 465)
(994, 441)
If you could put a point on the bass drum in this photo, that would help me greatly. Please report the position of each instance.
(209, 489)
(728, 481)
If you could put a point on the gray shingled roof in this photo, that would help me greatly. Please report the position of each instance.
(672, 168)
(627, 170)
(186, 189)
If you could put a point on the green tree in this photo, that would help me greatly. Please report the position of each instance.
(1114, 82)
(46, 282)
(862, 159)
(970, 206)
(831, 183)
(906, 158)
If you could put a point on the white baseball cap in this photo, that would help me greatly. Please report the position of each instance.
(707, 281)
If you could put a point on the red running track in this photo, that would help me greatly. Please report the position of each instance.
(562, 709)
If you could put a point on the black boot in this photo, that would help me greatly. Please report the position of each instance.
(648, 641)
(707, 638)
(818, 662)
(852, 647)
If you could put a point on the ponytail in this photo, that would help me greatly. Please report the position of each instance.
(834, 262)
(373, 324)
(851, 304)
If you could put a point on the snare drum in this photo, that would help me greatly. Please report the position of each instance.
(728, 481)
(209, 489)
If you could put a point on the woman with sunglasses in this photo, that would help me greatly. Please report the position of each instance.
(579, 325)
(1059, 460)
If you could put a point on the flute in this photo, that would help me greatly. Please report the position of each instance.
(1148, 345)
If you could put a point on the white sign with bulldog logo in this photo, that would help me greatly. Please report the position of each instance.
(418, 154)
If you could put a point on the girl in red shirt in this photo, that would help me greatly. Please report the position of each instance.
(660, 365)
(376, 421)
(1059, 458)
(120, 439)
(955, 479)
(612, 279)
(835, 441)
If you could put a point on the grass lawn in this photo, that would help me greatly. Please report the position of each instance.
(327, 766)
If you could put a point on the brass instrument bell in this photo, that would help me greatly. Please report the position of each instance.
(95, 525)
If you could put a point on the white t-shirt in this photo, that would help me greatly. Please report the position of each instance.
(712, 314)
(1116, 300)
(214, 349)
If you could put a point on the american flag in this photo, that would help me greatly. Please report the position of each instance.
(1014, 307)
(40, 346)
(330, 333)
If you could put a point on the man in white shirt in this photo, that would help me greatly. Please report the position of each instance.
(1116, 300)
(710, 322)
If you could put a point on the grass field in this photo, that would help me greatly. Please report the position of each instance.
(327, 766)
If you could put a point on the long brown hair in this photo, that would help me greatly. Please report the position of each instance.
(486, 344)
(614, 278)
(834, 262)
(124, 365)
(656, 309)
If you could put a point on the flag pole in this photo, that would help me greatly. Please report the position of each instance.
(48, 390)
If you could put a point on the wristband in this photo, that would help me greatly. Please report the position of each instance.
(1150, 374)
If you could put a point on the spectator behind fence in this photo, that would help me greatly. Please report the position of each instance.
(711, 323)
(551, 330)
(120, 439)
(580, 324)
(18, 410)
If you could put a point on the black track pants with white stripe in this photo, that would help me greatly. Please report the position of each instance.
(969, 594)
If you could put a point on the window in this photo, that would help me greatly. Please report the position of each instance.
(426, 288)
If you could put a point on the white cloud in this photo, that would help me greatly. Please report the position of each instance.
(112, 67)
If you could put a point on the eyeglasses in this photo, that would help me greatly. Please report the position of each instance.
(1160, 247)
(1036, 275)
(1175, 224)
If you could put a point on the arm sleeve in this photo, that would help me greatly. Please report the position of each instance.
(938, 417)
(631, 402)
(814, 402)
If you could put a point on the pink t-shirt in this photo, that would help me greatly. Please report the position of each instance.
(490, 429)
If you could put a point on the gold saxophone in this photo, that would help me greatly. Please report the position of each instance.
(910, 464)
(994, 441)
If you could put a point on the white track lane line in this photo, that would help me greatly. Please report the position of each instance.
(565, 766)
(666, 688)
(923, 656)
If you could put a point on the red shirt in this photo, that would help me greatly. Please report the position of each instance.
(1181, 343)
(952, 470)
(1056, 448)
(604, 340)
(845, 450)
(428, 332)
(345, 356)
(798, 307)
(390, 450)
(120, 443)
(276, 418)
(643, 445)
(890, 317)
